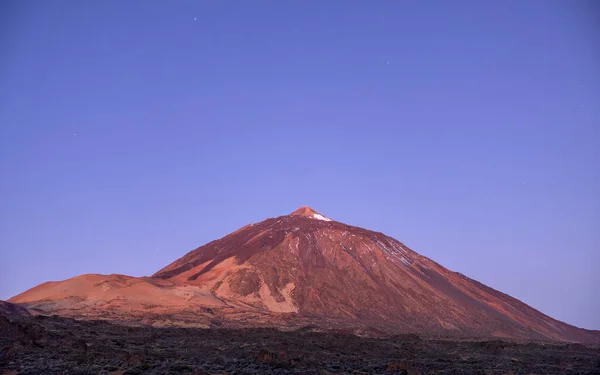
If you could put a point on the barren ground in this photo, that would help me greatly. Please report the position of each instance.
(54, 345)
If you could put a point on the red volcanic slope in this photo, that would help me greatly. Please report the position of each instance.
(306, 268)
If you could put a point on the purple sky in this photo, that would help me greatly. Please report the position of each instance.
(134, 131)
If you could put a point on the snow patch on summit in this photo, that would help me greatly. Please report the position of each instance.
(320, 217)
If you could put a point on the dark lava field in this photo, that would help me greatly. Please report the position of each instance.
(54, 345)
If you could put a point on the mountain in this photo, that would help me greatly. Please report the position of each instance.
(304, 269)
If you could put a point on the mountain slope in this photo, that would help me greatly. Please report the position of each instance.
(305, 268)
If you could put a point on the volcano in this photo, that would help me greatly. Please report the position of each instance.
(303, 269)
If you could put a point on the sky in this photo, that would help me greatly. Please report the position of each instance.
(134, 131)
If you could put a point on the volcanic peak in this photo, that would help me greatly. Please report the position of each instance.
(309, 212)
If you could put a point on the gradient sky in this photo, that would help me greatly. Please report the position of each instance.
(134, 131)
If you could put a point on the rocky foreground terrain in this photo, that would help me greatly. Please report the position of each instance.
(56, 345)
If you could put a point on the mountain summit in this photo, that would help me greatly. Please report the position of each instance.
(304, 269)
(309, 212)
